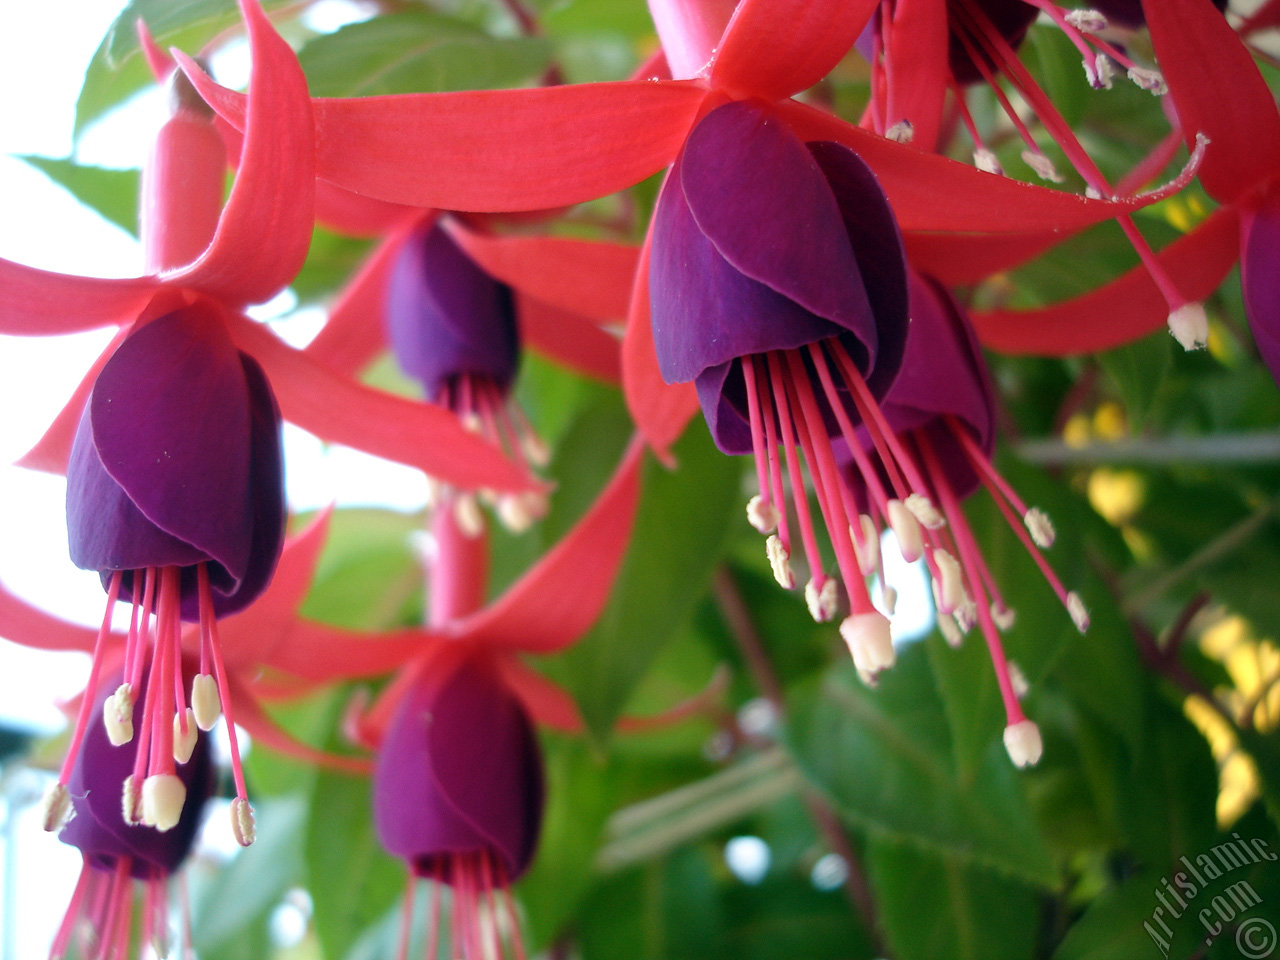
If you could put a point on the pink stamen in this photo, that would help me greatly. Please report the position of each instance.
(827, 480)
(220, 673)
(771, 448)
(63, 937)
(144, 627)
(91, 688)
(984, 465)
(968, 556)
(757, 431)
(406, 918)
(801, 501)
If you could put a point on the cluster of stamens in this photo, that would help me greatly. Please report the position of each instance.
(889, 481)
(996, 60)
(482, 917)
(100, 915)
(165, 722)
(485, 409)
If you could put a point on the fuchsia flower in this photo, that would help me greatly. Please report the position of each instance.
(1219, 93)
(117, 854)
(458, 784)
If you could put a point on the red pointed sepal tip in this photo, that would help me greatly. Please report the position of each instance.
(161, 63)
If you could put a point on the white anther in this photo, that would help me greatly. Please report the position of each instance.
(117, 715)
(1149, 80)
(966, 615)
(206, 704)
(518, 511)
(890, 600)
(56, 810)
(1004, 617)
(906, 529)
(987, 162)
(870, 642)
(1086, 20)
(780, 560)
(1040, 527)
(1022, 740)
(922, 509)
(1042, 165)
(466, 510)
(536, 450)
(1079, 615)
(950, 632)
(1190, 326)
(163, 795)
(762, 514)
(184, 743)
(1092, 192)
(868, 551)
(1104, 70)
(1018, 680)
(129, 801)
(243, 824)
(471, 422)
(822, 598)
(901, 132)
(950, 585)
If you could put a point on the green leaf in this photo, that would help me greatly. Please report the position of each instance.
(944, 908)
(418, 52)
(1169, 795)
(885, 757)
(369, 577)
(581, 793)
(681, 526)
(1139, 371)
(112, 193)
(351, 879)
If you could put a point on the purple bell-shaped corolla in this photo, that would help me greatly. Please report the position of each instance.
(116, 853)
(778, 285)
(175, 495)
(453, 328)
(458, 795)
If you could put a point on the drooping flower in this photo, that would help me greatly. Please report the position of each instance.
(778, 285)
(119, 857)
(458, 782)
(531, 149)
(458, 794)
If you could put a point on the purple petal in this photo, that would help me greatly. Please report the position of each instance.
(704, 311)
(460, 772)
(877, 246)
(1260, 278)
(758, 195)
(97, 789)
(170, 422)
(943, 374)
(447, 317)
